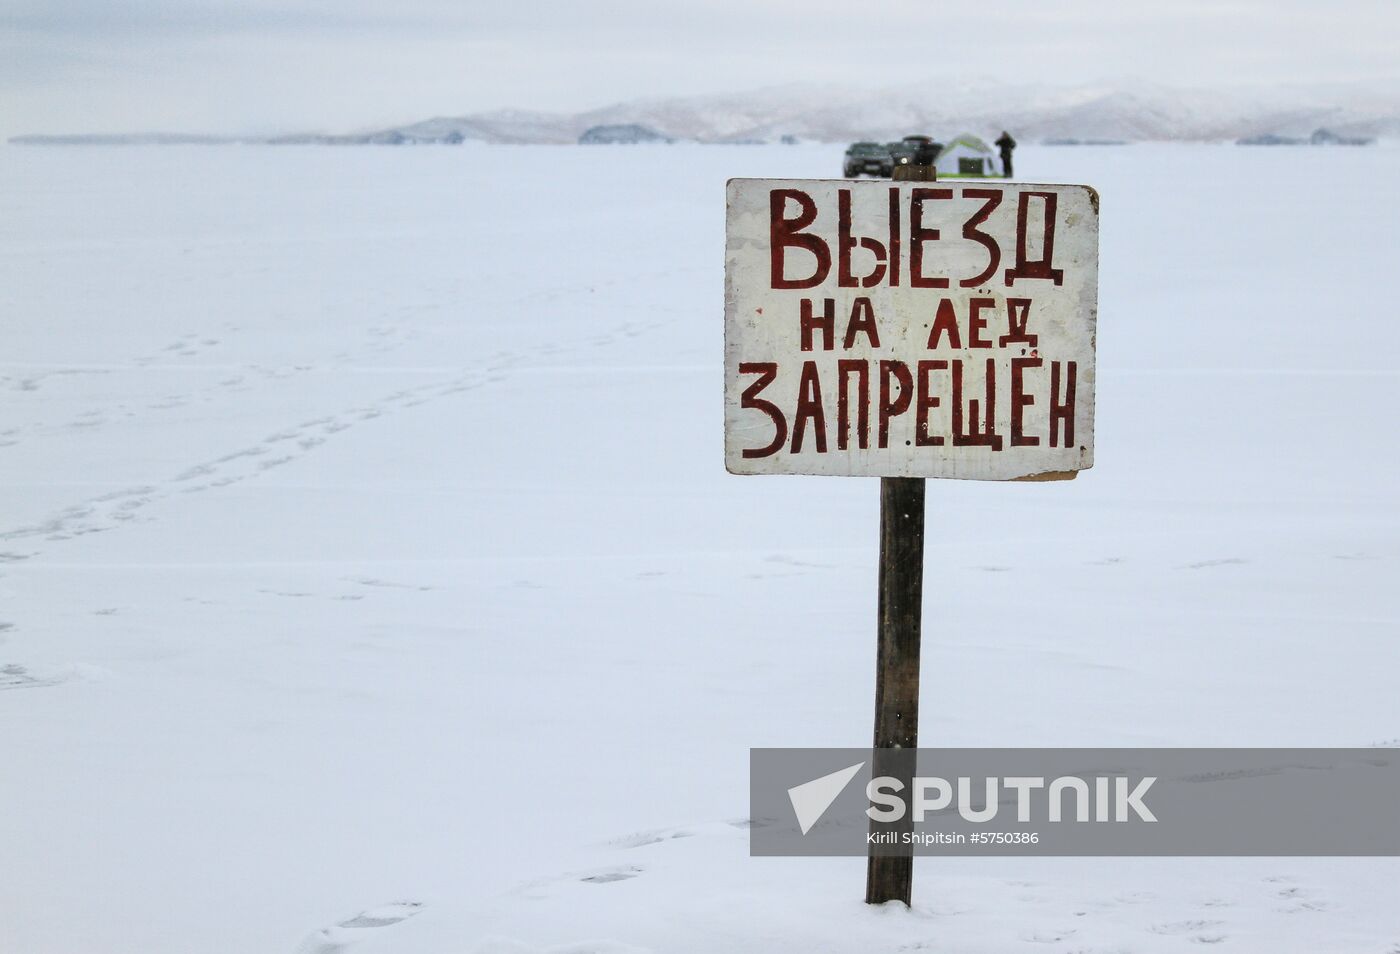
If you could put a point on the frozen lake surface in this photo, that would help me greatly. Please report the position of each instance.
(369, 574)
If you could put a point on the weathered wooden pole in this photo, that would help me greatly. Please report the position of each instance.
(890, 867)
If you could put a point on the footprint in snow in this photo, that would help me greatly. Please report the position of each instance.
(14, 676)
(340, 936)
(1204, 564)
(547, 887)
(1048, 937)
(1294, 898)
(613, 874)
(1200, 929)
(642, 838)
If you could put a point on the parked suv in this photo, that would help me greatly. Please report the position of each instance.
(914, 150)
(868, 158)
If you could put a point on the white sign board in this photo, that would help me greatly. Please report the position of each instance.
(910, 329)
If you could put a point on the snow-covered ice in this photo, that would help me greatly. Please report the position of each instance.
(370, 578)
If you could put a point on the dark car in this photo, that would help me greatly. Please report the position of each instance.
(867, 158)
(914, 150)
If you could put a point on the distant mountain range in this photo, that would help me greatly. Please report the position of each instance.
(1123, 110)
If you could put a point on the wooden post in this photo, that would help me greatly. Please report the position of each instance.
(889, 873)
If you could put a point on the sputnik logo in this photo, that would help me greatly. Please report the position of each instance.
(810, 800)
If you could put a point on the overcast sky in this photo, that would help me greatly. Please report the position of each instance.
(339, 65)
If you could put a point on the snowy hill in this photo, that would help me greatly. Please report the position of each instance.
(1123, 110)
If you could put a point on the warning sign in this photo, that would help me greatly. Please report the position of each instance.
(910, 329)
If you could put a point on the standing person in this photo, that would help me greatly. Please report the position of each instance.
(1006, 144)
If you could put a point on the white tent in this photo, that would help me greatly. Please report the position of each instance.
(967, 156)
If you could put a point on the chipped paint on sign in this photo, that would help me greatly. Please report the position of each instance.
(910, 329)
